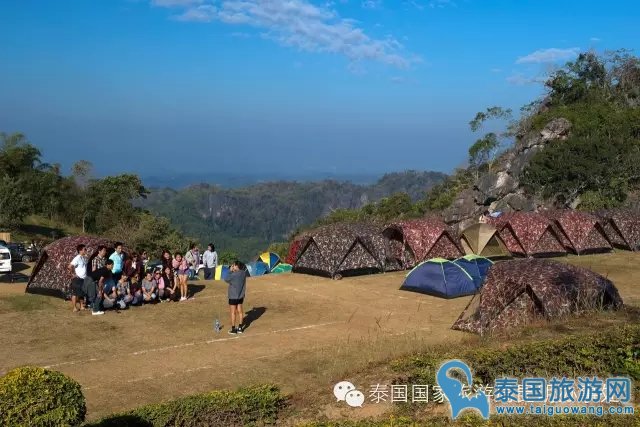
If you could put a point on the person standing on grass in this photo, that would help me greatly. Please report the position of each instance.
(237, 280)
(193, 260)
(78, 266)
(182, 269)
(210, 261)
(100, 259)
(118, 261)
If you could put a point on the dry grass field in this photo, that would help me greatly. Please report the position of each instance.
(306, 333)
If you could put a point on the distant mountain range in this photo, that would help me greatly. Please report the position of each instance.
(246, 219)
(234, 180)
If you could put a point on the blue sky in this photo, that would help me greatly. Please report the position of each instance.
(345, 86)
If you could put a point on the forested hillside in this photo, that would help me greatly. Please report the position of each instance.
(247, 220)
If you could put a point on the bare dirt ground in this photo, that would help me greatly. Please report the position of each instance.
(306, 333)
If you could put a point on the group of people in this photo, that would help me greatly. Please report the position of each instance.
(122, 280)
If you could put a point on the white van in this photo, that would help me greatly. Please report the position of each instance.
(5, 260)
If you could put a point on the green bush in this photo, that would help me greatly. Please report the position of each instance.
(282, 249)
(613, 351)
(32, 396)
(498, 421)
(250, 406)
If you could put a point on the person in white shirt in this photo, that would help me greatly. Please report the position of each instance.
(78, 267)
(210, 261)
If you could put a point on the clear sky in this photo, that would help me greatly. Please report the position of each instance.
(346, 86)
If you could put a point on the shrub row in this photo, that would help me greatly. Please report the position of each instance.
(614, 351)
(246, 407)
(501, 421)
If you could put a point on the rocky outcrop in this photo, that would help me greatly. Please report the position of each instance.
(499, 189)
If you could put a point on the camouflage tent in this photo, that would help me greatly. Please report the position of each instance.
(521, 291)
(580, 232)
(622, 227)
(528, 234)
(50, 276)
(342, 249)
(413, 241)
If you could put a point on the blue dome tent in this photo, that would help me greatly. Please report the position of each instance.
(257, 268)
(439, 277)
(477, 267)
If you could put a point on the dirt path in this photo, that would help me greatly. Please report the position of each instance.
(307, 333)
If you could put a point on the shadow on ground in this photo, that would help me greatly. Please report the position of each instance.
(194, 289)
(252, 315)
(17, 275)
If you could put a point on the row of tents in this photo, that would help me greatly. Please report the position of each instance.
(358, 248)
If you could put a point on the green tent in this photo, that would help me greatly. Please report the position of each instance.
(282, 268)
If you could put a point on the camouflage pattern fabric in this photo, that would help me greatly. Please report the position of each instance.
(342, 249)
(622, 227)
(528, 234)
(413, 241)
(580, 232)
(519, 292)
(50, 275)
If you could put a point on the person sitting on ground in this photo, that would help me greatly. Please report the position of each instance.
(182, 268)
(123, 291)
(109, 294)
(210, 261)
(237, 280)
(171, 285)
(78, 266)
(94, 286)
(163, 289)
(136, 290)
(149, 287)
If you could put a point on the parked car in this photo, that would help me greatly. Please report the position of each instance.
(20, 253)
(5, 260)
(3, 243)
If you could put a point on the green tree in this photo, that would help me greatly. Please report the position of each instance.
(17, 155)
(483, 151)
(491, 113)
(14, 202)
(227, 257)
(110, 201)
